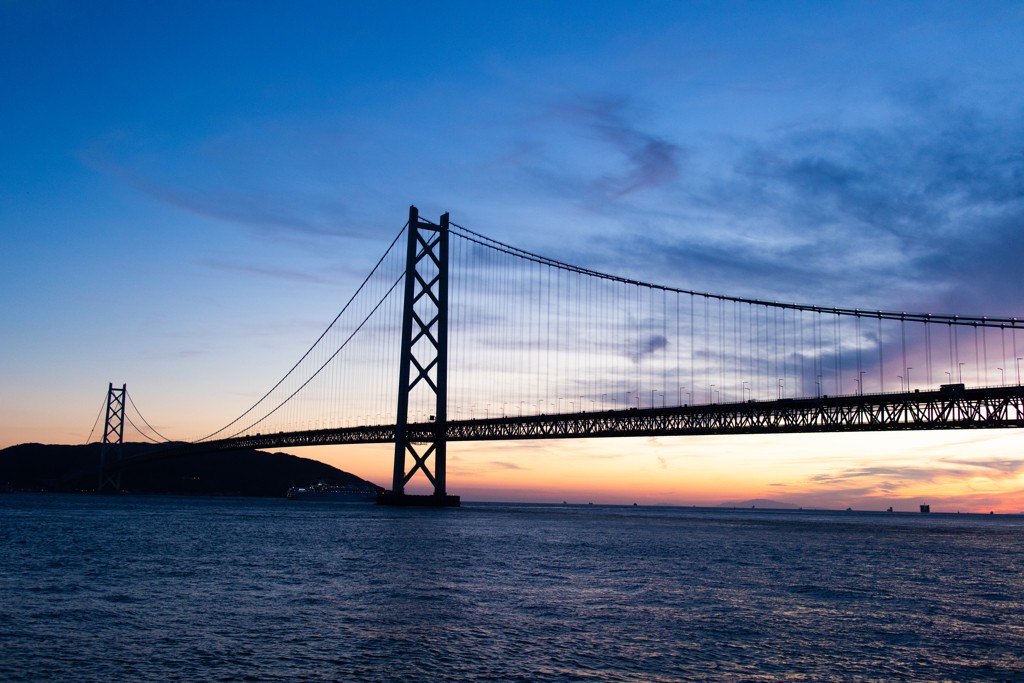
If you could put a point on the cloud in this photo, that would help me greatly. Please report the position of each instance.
(925, 212)
(922, 209)
(646, 347)
(904, 475)
(1006, 467)
(262, 271)
(273, 181)
(624, 161)
(652, 161)
(185, 354)
(464, 467)
(894, 478)
(505, 465)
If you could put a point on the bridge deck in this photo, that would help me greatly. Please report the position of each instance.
(986, 408)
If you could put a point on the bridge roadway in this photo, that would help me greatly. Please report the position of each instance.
(984, 408)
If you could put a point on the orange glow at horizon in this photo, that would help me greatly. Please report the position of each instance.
(977, 471)
(966, 470)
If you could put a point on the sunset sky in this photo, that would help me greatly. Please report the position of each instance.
(190, 191)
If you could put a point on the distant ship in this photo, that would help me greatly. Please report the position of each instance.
(341, 494)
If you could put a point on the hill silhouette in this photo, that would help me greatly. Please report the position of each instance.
(42, 467)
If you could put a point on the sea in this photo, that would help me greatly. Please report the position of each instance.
(148, 588)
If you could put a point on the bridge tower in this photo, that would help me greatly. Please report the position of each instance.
(424, 352)
(113, 440)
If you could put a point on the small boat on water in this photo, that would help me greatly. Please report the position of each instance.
(321, 490)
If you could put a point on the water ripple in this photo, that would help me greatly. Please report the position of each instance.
(158, 589)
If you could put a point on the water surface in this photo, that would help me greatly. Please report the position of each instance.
(154, 589)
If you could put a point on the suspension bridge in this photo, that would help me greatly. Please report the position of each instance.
(454, 336)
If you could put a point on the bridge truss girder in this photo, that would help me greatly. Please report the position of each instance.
(994, 408)
(969, 409)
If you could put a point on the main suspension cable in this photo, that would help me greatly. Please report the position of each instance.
(345, 308)
(146, 422)
(99, 414)
(332, 356)
(485, 241)
(142, 433)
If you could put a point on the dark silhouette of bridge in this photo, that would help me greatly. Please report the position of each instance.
(542, 349)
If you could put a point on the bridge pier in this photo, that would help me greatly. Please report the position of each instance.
(425, 350)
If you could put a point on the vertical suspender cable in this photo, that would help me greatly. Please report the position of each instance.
(881, 359)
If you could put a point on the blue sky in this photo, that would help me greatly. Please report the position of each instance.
(189, 191)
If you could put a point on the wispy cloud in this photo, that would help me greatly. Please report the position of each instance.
(648, 346)
(596, 152)
(894, 478)
(1003, 468)
(496, 464)
(923, 211)
(651, 161)
(272, 181)
(263, 271)
(185, 354)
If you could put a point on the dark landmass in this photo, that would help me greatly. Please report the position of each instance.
(40, 467)
(763, 503)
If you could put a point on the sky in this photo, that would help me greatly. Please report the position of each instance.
(189, 191)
